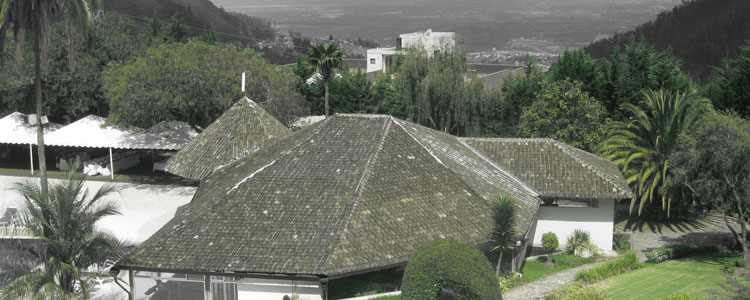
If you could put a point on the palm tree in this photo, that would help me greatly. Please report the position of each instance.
(504, 213)
(642, 146)
(34, 16)
(64, 221)
(325, 58)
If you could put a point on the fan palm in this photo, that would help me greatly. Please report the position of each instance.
(504, 213)
(642, 146)
(325, 58)
(64, 221)
(34, 16)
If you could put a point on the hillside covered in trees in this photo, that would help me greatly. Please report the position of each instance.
(698, 32)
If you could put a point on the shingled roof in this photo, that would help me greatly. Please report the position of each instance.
(556, 170)
(242, 129)
(350, 193)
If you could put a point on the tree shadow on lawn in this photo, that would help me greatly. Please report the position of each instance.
(698, 239)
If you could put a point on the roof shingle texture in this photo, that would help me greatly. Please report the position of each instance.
(350, 193)
(554, 169)
(242, 129)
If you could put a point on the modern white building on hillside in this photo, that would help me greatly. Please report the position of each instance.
(382, 59)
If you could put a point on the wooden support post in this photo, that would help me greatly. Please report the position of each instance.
(111, 164)
(31, 157)
(207, 288)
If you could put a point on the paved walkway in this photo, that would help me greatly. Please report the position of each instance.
(538, 288)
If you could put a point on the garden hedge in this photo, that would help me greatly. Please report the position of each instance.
(449, 265)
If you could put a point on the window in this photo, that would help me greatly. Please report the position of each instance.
(372, 61)
(593, 203)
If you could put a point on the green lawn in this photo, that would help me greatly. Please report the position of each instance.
(691, 276)
(388, 298)
(535, 269)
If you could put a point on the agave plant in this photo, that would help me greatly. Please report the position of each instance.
(64, 221)
(641, 147)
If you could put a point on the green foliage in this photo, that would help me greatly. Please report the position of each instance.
(563, 111)
(535, 269)
(713, 167)
(677, 251)
(639, 67)
(577, 65)
(730, 89)
(517, 93)
(641, 147)
(622, 242)
(579, 242)
(176, 32)
(504, 232)
(64, 220)
(678, 297)
(195, 82)
(370, 283)
(575, 291)
(550, 242)
(444, 264)
(509, 281)
(436, 93)
(326, 58)
(613, 267)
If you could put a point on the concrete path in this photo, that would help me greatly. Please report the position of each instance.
(144, 208)
(538, 288)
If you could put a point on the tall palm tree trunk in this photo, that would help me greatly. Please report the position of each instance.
(499, 261)
(326, 97)
(38, 95)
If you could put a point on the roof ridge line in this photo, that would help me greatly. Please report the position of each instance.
(423, 146)
(362, 180)
(575, 157)
(492, 163)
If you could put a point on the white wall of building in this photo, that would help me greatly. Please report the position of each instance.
(598, 221)
(374, 61)
(431, 41)
(275, 289)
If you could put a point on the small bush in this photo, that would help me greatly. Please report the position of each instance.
(677, 251)
(509, 281)
(575, 291)
(622, 242)
(580, 242)
(449, 265)
(613, 267)
(550, 243)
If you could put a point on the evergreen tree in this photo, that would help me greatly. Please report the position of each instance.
(730, 89)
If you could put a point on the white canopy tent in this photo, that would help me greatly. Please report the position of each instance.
(91, 132)
(15, 129)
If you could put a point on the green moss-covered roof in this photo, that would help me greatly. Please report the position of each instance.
(556, 170)
(242, 129)
(350, 193)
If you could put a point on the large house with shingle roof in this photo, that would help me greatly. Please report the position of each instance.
(349, 195)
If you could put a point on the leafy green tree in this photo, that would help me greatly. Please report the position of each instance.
(196, 82)
(577, 65)
(503, 233)
(325, 59)
(518, 93)
(386, 99)
(641, 148)
(64, 220)
(436, 92)
(730, 88)
(563, 111)
(34, 16)
(550, 243)
(714, 164)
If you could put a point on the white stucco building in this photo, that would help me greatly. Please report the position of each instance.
(382, 59)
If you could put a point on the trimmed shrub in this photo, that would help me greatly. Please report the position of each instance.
(449, 265)
(509, 281)
(580, 242)
(677, 251)
(575, 291)
(613, 267)
(550, 243)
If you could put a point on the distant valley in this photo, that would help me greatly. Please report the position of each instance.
(481, 25)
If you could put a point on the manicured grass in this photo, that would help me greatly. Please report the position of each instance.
(535, 269)
(692, 276)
